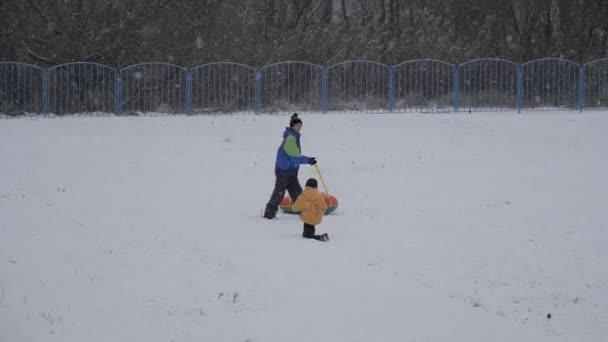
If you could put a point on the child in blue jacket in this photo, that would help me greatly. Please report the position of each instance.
(288, 161)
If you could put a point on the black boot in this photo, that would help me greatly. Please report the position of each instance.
(270, 212)
(322, 237)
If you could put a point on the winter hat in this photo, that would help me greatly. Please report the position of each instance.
(294, 120)
(311, 183)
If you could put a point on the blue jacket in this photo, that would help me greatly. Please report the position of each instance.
(289, 154)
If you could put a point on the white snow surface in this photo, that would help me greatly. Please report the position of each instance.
(451, 227)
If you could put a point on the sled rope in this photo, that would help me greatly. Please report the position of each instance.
(321, 177)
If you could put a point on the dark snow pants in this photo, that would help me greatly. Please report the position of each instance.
(309, 232)
(282, 184)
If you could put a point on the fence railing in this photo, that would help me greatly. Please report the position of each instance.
(422, 85)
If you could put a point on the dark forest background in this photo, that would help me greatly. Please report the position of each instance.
(260, 32)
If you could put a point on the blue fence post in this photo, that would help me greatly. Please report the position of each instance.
(391, 89)
(118, 93)
(456, 90)
(520, 88)
(581, 87)
(45, 92)
(324, 90)
(258, 92)
(189, 91)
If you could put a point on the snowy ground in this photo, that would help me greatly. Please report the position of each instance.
(450, 228)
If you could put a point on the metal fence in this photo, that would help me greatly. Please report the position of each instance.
(152, 87)
(423, 85)
(595, 85)
(357, 85)
(488, 84)
(221, 87)
(81, 88)
(551, 84)
(296, 86)
(22, 88)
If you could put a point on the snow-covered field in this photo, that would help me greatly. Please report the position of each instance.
(450, 228)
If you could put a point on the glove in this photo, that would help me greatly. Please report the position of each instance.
(312, 161)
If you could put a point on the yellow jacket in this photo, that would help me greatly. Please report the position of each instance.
(311, 206)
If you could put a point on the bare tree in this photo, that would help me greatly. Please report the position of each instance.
(254, 32)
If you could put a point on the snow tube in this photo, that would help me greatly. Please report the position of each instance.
(331, 201)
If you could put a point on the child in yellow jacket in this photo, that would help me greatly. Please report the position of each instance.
(311, 206)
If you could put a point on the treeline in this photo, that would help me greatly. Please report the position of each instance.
(260, 32)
